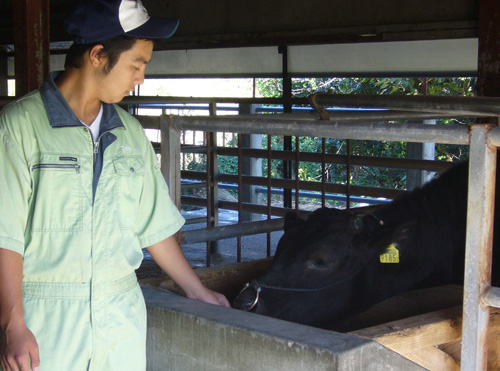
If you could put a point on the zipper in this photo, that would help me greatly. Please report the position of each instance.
(96, 149)
(96, 143)
(57, 166)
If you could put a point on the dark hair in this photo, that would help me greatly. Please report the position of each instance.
(113, 48)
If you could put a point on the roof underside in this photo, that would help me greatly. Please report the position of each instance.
(229, 23)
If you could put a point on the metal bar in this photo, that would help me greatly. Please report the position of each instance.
(348, 175)
(448, 134)
(386, 162)
(323, 172)
(212, 189)
(240, 196)
(201, 219)
(297, 162)
(209, 201)
(492, 297)
(453, 105)
(250, 208)
(269, 189)
(170, 158)
(479, 240)
(494, 136)
(304, 194)
(150, 122)
(178, 100)
(232, 231)
(308, 186)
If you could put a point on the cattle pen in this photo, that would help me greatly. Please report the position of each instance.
(231, 338)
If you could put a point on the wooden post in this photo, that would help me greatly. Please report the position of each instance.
(31, 41)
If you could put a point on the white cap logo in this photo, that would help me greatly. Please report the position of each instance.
(132, 14)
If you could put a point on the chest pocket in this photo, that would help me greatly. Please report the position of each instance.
(57, 195)
(129, 171)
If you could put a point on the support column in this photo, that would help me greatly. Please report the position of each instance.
(419, 151)
(31, 42)
(488, 82)
(479, 241)
(287, 140)
(251, 166)
(4, 76)
(171, 158)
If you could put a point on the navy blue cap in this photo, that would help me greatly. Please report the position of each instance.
(90, 21)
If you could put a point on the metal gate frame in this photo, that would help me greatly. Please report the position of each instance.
(483, 140)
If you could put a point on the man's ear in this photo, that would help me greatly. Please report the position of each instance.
(95, 56)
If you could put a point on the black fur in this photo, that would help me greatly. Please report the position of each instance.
(333, 258)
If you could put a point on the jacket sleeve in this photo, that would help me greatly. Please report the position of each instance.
(15, 191)
(158, 217)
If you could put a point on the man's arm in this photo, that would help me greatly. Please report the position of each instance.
(168, 255)
(17, 343)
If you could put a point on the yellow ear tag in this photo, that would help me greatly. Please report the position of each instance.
(390, 255)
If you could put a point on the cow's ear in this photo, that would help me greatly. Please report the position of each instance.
(292, 220)
(403, 232)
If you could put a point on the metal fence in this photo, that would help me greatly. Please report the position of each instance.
(483, 140)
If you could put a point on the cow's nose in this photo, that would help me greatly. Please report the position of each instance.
(247, 298)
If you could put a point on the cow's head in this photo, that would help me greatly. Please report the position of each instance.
(323, 267)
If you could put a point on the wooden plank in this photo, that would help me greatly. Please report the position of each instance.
(228, 278)
(429, 339)
(422, 331)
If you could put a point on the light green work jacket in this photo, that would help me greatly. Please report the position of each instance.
(79, 214)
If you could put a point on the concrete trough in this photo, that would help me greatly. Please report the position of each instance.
(184, 334)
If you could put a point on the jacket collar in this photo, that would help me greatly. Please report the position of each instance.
(60, 114)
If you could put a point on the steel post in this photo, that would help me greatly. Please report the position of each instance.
(479, 242)
(170, 158)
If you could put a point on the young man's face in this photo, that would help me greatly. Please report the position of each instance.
(126, 74)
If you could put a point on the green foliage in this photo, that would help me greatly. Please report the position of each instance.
(360, 175)
(446, 86)
(303, 87)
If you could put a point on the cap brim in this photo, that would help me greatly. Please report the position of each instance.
(155, 28)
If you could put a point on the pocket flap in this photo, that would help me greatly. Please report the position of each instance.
(129, 166)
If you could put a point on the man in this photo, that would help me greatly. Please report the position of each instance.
(81, 195)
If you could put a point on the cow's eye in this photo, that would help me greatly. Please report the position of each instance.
(318, 263)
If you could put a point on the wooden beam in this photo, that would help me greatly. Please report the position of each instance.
(31, 44)
(420, 338)
(228, 279)
(488, 82)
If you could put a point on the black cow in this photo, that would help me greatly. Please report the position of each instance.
(338, 263)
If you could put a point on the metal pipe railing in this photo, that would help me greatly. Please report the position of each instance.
(492, 297)
(478, 295)
(473, 106)
(232, 231)
(449, 134)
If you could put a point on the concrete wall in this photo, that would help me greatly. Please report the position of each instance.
(187, 335)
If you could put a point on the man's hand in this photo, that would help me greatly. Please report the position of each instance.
(18, 346)
(168, 255)
(211, 297)
(18, 349)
